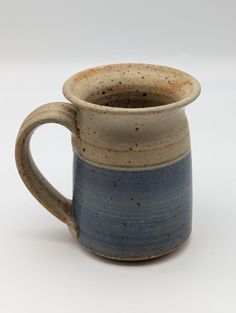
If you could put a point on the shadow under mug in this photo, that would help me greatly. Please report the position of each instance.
(132, 197)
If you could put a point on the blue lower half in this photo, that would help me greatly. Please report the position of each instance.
(133, 214)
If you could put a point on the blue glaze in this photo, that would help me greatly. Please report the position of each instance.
(133, 214)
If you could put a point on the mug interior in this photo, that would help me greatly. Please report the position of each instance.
(131, 86)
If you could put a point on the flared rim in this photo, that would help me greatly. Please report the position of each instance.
(70, 96)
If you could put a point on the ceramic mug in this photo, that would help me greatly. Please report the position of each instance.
(132, 197)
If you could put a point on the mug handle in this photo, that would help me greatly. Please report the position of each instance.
(56, 112)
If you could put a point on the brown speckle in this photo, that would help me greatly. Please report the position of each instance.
(84, 149)
(103, 92)
(144, 94)
(136, 129)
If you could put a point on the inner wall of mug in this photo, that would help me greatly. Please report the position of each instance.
(131, 85)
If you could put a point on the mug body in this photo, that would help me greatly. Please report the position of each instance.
(132, 195)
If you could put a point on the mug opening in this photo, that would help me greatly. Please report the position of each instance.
(131, 87)
(129, 96)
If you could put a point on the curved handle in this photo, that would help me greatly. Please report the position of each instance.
(56, 112)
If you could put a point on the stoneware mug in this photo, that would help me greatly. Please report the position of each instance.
(132, 197)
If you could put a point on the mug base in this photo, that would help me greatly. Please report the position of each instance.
(135, 259)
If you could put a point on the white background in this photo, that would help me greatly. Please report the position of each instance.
(42, 43)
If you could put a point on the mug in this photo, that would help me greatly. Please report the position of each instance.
(132, 197)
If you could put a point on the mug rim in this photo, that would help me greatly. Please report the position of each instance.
(71, 81)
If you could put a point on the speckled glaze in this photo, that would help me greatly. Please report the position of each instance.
(133, 214)
(132, 196)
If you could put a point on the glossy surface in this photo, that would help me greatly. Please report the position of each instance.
(135, 214)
